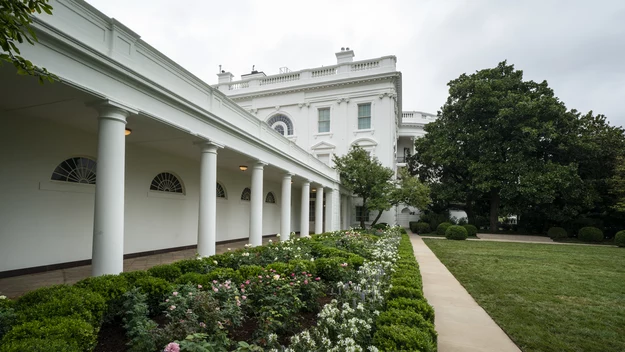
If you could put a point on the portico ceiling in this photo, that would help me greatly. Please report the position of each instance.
(67, 105)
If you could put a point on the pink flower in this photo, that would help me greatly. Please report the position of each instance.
(244, 297)
(172, 307)
(175, 293)
(172, 347)
(247, 282)
(290, 283)
(305, 282)
(292, 274)
(214, 281)
(199, 286)
(215, 289)
(167, 300)
(238, 303)
(202, 325)
(260, 276)
(317, 278)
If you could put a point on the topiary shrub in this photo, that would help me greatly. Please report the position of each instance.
(61, 300)
(403, 338)
(556, 233)
(405, 317)
(299, 266)
(418, 305)
(156, 289)
(223, 274)
(194, 279)
(133, 276)
(422, 228)
(250, 271)
(111, 288)
(167, 272)
(405, 292)
(413, 226)
(471, 230)
(456, 232)
(590, 234)
(72, 330)
(380, 226)
(40, 345)
(332, 269)
(7, 315)
(442, 228)
(619, 239)
(192, 266)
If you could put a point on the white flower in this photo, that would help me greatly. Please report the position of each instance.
(278, 235)
(3, 297)
(215, 262)
(270, 241)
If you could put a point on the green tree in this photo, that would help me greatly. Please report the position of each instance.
(15, 20)
(411, 191)
(617, 185)
(497, 138)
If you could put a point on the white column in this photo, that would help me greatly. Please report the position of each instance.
(319, 210)
(207, 226)
(329, 210)
(304, 219)
(108, 223)
(256, 205)
(285, 210)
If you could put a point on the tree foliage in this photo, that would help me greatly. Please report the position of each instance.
(502, 144)
(368, 179)
(15, 21)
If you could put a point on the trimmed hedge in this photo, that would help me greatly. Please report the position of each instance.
(167, 272)
(590, 234)
(471, 230)
(111, 288)
(73, 331)
(39, 345)
(619, 239)
(408, 322)
(556, 233)
(456, 232)
(422, 228)
(442, 228)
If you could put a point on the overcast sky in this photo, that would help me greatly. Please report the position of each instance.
(577, 46)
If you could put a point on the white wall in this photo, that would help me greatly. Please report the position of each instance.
(48, 222)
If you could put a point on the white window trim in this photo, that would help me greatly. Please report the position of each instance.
(323, 107)
(62, 186)
(372, 104)
(166, 195)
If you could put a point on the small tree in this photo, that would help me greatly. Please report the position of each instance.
(367, 178)
(15, 20)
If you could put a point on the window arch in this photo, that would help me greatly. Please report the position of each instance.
(166, 182)
(282, 124)
(270, 198)
(246, 194)
(221, 191)
(76, 170)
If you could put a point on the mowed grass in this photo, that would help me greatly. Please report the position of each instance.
(545, 297)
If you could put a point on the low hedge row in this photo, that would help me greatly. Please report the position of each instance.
(408, 322)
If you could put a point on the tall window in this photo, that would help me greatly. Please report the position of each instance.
(324, 120)
(311, 210)
(362, 214)
(364, 116)
(78, 170)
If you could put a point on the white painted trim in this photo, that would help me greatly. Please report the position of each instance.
(166, 195)
(60, 186)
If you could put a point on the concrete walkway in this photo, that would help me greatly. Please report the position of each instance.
(16, 286)
(462, 325)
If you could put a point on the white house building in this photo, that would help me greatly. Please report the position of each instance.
(130, 153)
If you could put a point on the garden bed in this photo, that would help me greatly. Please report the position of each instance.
(330, 292)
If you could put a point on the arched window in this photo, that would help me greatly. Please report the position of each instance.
(270, 198)
(78, 170)
(221, 191)
(247, 193)
(282, 124)
(166, 182)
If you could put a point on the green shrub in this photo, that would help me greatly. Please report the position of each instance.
(194, 279)
(223, 274)
(224, 260)
(250, 271)
(380, 226)
(192, 266)
(40, 345)
(168, 272)
(280, 268)
(619, 239)
(61, 300)
(111, 288)
(404, 292)
(330, 269)
(299, 266)
(557, 233)
(407, 281)
(133, 276)
(405, 317)
(156, 289)
(403, 338)
(69, 329)
(413, 226)
(471, 230)
(417, 305)
(403, 231)
(456, 232)
(590, 234)
(422, 228)
(7, 316)
(442, 228)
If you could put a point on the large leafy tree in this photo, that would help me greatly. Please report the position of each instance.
(497, 138)
(368, 179)
(15, 21)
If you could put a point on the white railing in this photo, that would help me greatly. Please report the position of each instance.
(323, 72)
(408, 115)
(361, 66)
(240, 85)
(279, 79)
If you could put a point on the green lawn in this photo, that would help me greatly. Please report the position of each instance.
(545, 297)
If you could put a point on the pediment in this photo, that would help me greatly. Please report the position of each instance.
(323, 145)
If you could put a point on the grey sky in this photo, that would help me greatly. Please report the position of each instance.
(577, 46)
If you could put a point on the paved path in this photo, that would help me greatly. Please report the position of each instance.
(462, 325)
(18, 285)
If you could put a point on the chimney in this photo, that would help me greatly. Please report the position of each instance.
(345, 55)
(225, 77)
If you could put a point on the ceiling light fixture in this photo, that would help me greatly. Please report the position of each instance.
(243, 167)
(127, 132)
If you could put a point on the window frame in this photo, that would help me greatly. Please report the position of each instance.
(360, 118)
(328, 121)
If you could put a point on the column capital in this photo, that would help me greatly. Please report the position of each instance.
(209, 146)
(287, 175)
(110, 109)
(258, 164)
